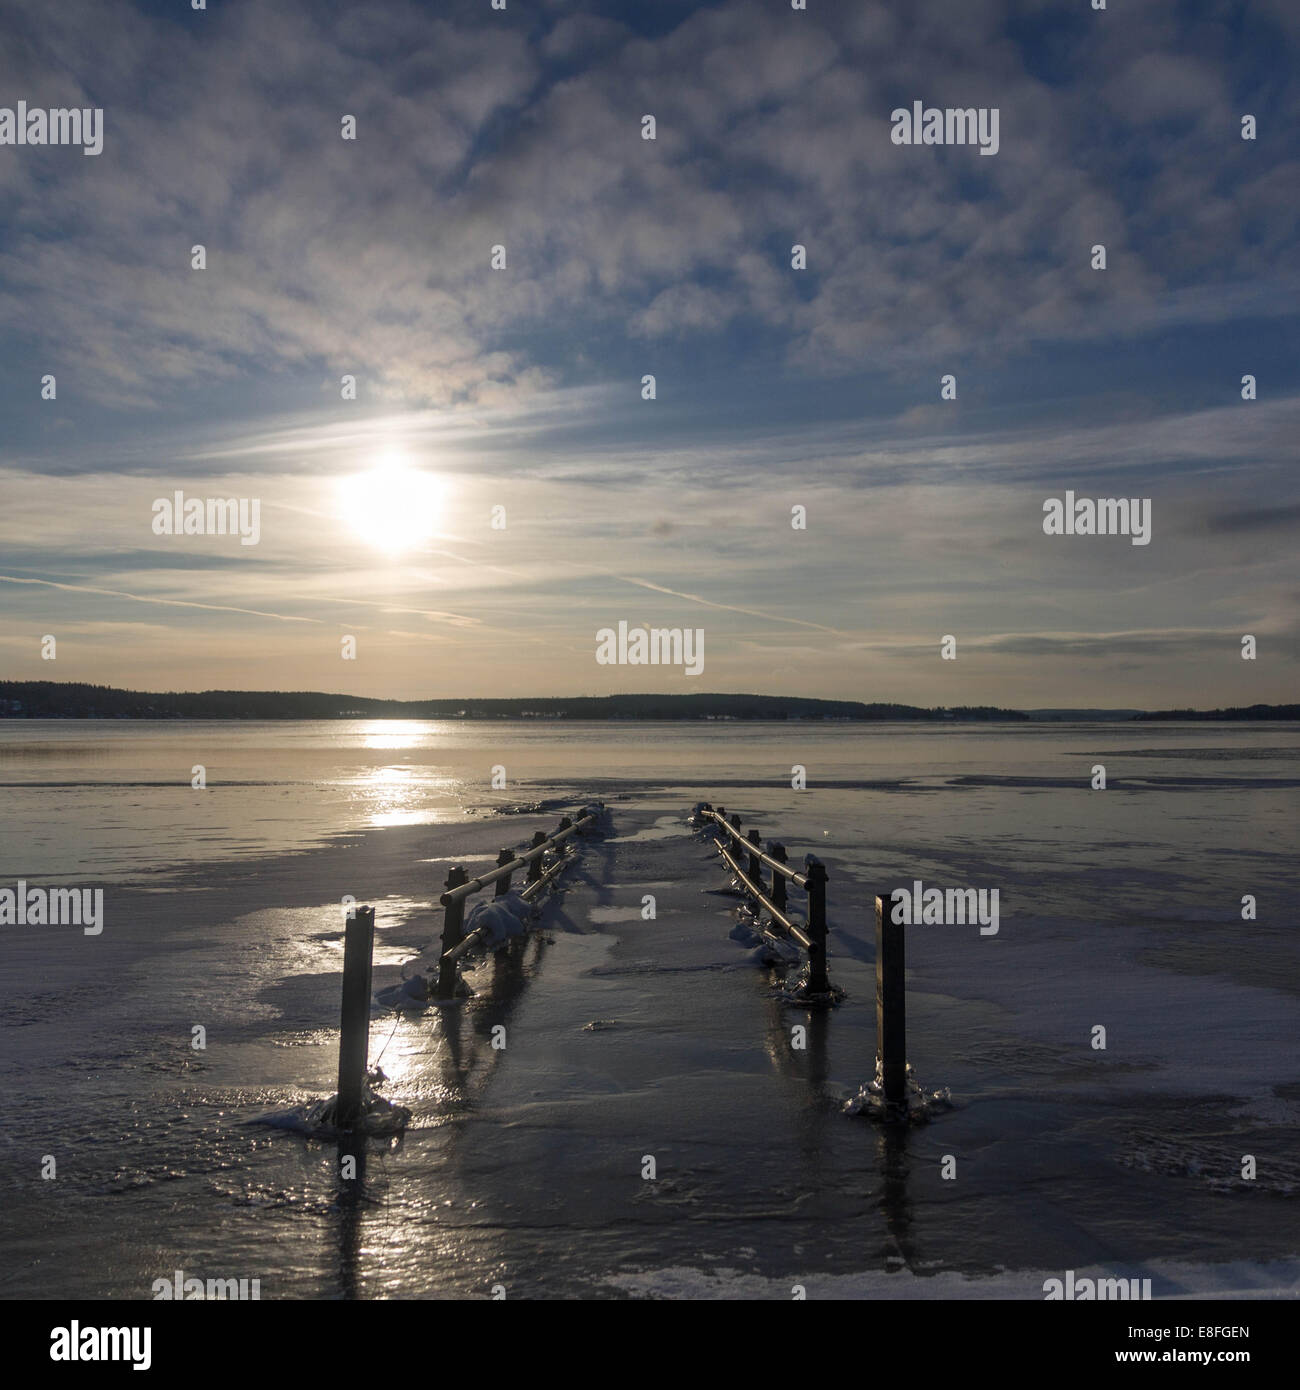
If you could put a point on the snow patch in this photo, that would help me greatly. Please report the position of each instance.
(503, 917)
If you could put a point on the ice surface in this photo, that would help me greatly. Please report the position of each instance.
(1170, 1279)
(1120, 910)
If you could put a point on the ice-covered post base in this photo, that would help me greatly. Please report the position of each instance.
(354, 1037)
(891, 1008)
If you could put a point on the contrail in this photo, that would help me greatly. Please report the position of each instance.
(657, 588)
(168, 602)
(729, 607)
(646, 584)
(594, 570)
(455, 619)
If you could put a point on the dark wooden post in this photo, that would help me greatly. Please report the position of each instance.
(891, 1012)
(735, 822)
(755, 868)
(535, 867)
(817, 980)
(777, 851)
(354, 1034)
(503, 884)
(565, 824)
(453, 923)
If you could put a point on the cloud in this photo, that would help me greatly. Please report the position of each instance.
(1252, 520)
(777, 387)
(372, 257)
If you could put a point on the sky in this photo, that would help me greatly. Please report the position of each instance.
(515, 395)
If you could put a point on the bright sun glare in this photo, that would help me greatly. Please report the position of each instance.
(392, 506)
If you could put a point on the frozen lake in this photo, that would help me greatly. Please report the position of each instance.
(628, 1037)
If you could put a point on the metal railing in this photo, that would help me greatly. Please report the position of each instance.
(460, 886)
(891, 1016)
(359, 939)
(812, 936)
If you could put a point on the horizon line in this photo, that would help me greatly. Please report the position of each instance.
(636, 695)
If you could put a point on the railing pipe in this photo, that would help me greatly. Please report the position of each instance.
(460, 886)
(763, 900)
(537, 885)
(776, 865)
(521, 861)
(813, 937)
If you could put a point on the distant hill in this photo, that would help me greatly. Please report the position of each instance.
(60, 700)
(68, 700)
(1237, 713)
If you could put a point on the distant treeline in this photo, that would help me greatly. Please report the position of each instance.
(1238, 712)
(59, 700)
(66, 700)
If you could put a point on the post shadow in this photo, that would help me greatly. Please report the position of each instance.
(350, 1206)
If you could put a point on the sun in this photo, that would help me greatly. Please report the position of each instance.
(392, 507)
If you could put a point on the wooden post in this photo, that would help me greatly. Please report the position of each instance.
(777, 851)
(535, 867)
(817, 979)
(891, 1013)
(354, 1034)
(503, 884)
(565, 824)
(755, 868)
(453, 923)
